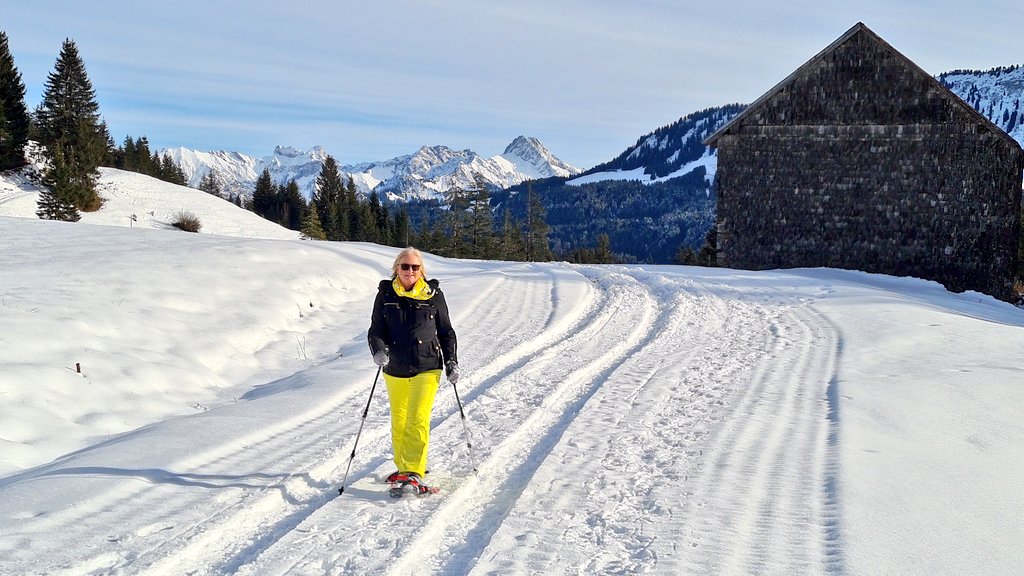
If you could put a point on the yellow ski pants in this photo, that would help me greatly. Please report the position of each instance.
(412, 400)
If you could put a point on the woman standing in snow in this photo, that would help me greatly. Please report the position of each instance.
(412, 339)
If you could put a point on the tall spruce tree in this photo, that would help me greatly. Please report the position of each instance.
(264, 196)
(481, 221)
(14, 118)
(52, 205)
(293, 205)
(329, 201)
(380, 220)
(365, 229)
(68, 119)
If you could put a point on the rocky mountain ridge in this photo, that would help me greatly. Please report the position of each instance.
(423, 175)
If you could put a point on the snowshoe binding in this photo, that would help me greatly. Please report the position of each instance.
(409, 484)
(396, 476)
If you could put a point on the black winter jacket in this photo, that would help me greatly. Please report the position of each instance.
(417, 334)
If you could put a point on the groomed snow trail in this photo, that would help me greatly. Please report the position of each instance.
(579, 444)
(714, 456)
(624, 421)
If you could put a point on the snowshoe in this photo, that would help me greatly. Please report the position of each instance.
(409, 484)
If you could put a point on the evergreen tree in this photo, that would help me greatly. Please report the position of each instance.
(440, 242)
(210, 183)
(366, 224)
(537, 248)
(171, 172)
(349, 211)
(423, 237)
(264, 196)
(708, 255)
(121, 154)
(68, 120)
(481, 221)
(512, 245)
(402, 234)
(142, 160)
(380, 220)
(154, 165)
(4, 132)
(293, 206)
(603, 253)
(14, 117)
(685, 256)
(311, 227)
(107, 158)
(54, 201)
(456, 222)
(328, 197)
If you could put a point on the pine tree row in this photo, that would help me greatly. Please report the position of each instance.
(135, 156)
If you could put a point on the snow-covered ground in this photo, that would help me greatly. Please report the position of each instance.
(624, 419)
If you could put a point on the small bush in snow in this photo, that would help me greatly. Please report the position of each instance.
(187, 221)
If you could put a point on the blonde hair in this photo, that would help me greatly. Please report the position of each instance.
(410, 251)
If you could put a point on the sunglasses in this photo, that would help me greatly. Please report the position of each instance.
(413, 267)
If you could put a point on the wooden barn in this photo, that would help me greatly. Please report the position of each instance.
(862, 160)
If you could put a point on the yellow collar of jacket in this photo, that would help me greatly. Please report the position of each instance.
(419, 291)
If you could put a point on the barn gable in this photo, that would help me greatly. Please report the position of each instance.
(859, 159)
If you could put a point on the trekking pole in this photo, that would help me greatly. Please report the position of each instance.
(469, 439)
(360, 433)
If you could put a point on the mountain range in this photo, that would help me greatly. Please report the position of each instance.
(423, 175)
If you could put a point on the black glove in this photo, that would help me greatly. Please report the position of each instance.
(452, 372)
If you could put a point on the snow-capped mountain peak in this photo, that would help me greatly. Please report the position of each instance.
(530, 156)
(426, 174)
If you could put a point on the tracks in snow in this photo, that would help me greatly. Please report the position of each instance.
(764, 498)
(624, 422)
(524, 398)
(713, 454)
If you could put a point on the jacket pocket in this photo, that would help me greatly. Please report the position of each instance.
(428, 354)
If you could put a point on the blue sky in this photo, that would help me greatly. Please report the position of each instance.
(373, 80)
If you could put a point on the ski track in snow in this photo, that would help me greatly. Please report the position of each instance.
(750, 486)
(778, 436)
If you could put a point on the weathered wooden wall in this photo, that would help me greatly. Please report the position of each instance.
(863, 162)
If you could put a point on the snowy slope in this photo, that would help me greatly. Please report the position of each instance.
(669, 152)
(138, 201)
(996, 93)
(624, 420)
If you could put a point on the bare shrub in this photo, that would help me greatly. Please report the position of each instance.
(187, 221)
